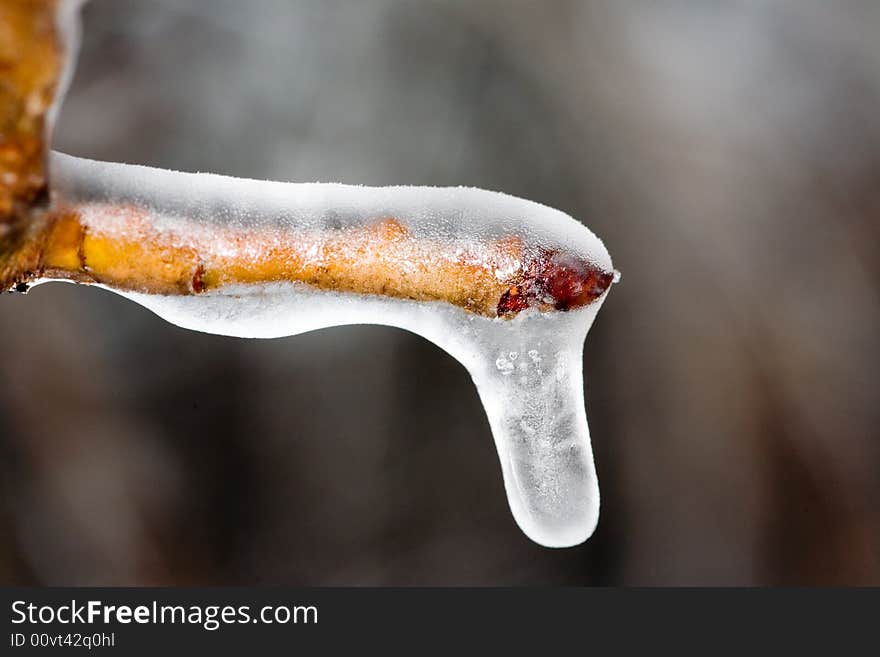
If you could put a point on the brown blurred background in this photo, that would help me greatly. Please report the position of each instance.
(728, 154)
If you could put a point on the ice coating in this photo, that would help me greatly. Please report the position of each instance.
(468, 247)
(209, 199)
(527, 369)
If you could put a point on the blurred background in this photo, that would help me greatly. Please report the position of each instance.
(727, 153)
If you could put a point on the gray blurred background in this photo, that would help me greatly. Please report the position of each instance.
(728, 154)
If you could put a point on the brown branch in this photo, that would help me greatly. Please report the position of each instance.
(122, 247)
(30, 68)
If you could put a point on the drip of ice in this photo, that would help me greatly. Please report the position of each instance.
(527, 370)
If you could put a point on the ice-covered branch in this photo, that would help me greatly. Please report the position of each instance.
(507, 286)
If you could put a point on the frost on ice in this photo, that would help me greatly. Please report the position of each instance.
(508, 287)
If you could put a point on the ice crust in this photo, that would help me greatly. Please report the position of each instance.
(196, 201)
(527, 370)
